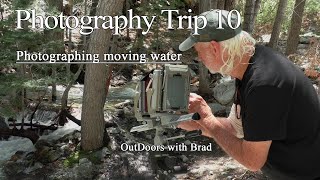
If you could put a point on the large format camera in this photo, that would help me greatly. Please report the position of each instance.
(161, 101)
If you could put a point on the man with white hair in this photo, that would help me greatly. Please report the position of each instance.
(274, 124)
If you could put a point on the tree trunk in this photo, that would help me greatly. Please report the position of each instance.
(84, 46)
(220, 4)
(255, 12)
(127, 7)
(54, 83)
(204, 88)
(55, 35)
(64, 99)
(296, 21)
(1, 11)
(248, 16)
(70, 44)
(277, 24)
(93, 8)
(92, 12)
(230, 5)
(94, 95)
(206, 5)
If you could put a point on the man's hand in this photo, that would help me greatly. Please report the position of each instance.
(253, 155)
(198, 105)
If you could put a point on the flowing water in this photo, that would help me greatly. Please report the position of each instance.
(14, 144)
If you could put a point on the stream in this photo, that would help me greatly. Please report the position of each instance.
(14, 144)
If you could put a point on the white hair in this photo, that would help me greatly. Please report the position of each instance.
(236, 47)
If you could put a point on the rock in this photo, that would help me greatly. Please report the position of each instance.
(83, 161)
(231, 166)
(62, 174)
(128, 111)
(17, 156)
(105, 152)
(306, 38)
(85, 169)
(36, 166)
(120, 113)
(18, 163)
(184, 158)
(13, 168)
(113, 130)
(121, 93)
(124, 104)
(230, 177)
(114, 146)
(118, 81)
(102, 177)
(219, 109)
(53, 155)
(42, 143)
(224, 173)
(66, 150)
(224, 92)
(47, 155)
(187, 142)
(148, 136)
(101, 154)
(265, 38)
(30, 156)
(74, 137)
(302, 47)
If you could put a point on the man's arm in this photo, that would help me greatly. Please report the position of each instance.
(252, 155)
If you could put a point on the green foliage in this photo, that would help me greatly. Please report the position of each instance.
(72, 159)
(312, 6)
(268, 12)
(21, 4)
(153, 8)
(14, 40)
(31, 40)
(76, 156)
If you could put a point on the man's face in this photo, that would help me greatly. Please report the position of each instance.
(210, 55)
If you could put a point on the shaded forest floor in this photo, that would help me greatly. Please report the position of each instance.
(111, 162)
(215, 164)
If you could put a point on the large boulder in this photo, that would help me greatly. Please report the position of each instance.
(224, 92)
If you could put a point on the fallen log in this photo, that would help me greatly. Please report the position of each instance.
(78, 122)
(72, 118)
(40, 126)
(21, 133)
